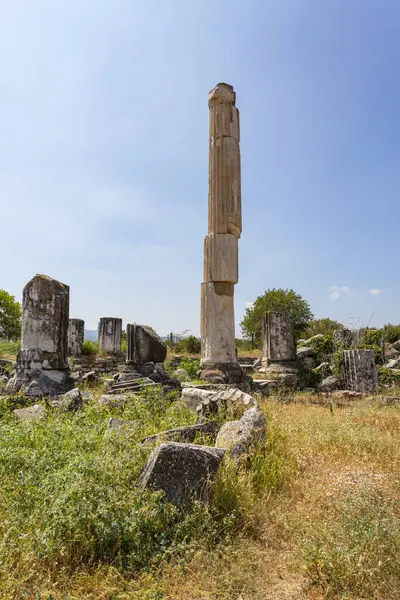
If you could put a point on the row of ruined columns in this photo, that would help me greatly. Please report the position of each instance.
(48, 336)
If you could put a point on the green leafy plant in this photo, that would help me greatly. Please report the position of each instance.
(278, 300)
(89, 348)
(190, 365)
(10, 316)
(388, 376)
(391, 333)
(326, 326)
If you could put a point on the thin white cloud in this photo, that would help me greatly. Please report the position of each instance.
(249, 304)
(336, 291)
(375, 292)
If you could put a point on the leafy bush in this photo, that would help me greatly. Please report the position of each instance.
(378, 350)
(370, 337)
(337, 362)
(189, 345)
(326, 326)
(357, 554)
(89, 347)
(391, 333)
(10, 316)
(322, 346)
(279, 300)
(191, 366)
(388, 376)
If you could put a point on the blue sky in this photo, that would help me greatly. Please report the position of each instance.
(104, 150)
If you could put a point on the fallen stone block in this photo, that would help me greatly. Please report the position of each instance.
(237, 437)
(230, 400)
(184, 472)
(192, 397)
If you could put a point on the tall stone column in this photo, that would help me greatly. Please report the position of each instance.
(42, 363)
(221, 244)
(279, 353)
(76, 335)
(110, 329)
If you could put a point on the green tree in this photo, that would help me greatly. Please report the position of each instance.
(278, 300)
(10, 316)
(326, 326)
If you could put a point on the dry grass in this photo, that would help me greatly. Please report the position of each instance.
(322, 536)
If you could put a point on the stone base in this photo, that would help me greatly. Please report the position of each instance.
(284, 371)
(40, 382)
(222, 372)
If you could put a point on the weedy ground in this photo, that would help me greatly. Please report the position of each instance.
(313, 515)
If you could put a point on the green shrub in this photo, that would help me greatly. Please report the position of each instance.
(326, 326)
(337, 362)
(189, 345)
(388, 376)
(191, 366)
(89, 347)
(323, 347)
(391, 333)
(378, 350)
(370, 337)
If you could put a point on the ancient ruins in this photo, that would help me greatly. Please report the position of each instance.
(221, 244)
(42, 363)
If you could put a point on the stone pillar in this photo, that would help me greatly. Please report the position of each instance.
(342, 338)
(42, 363)
(76, 335)
(221, 244)
(359, 370)
(279, 353)
(110, 330)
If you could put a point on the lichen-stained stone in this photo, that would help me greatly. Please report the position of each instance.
(359, 370)
(110, 329)
(76, 335)
(42, 363)
(184, 472)
(278, 337)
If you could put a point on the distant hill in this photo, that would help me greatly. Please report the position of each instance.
(91, 334)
